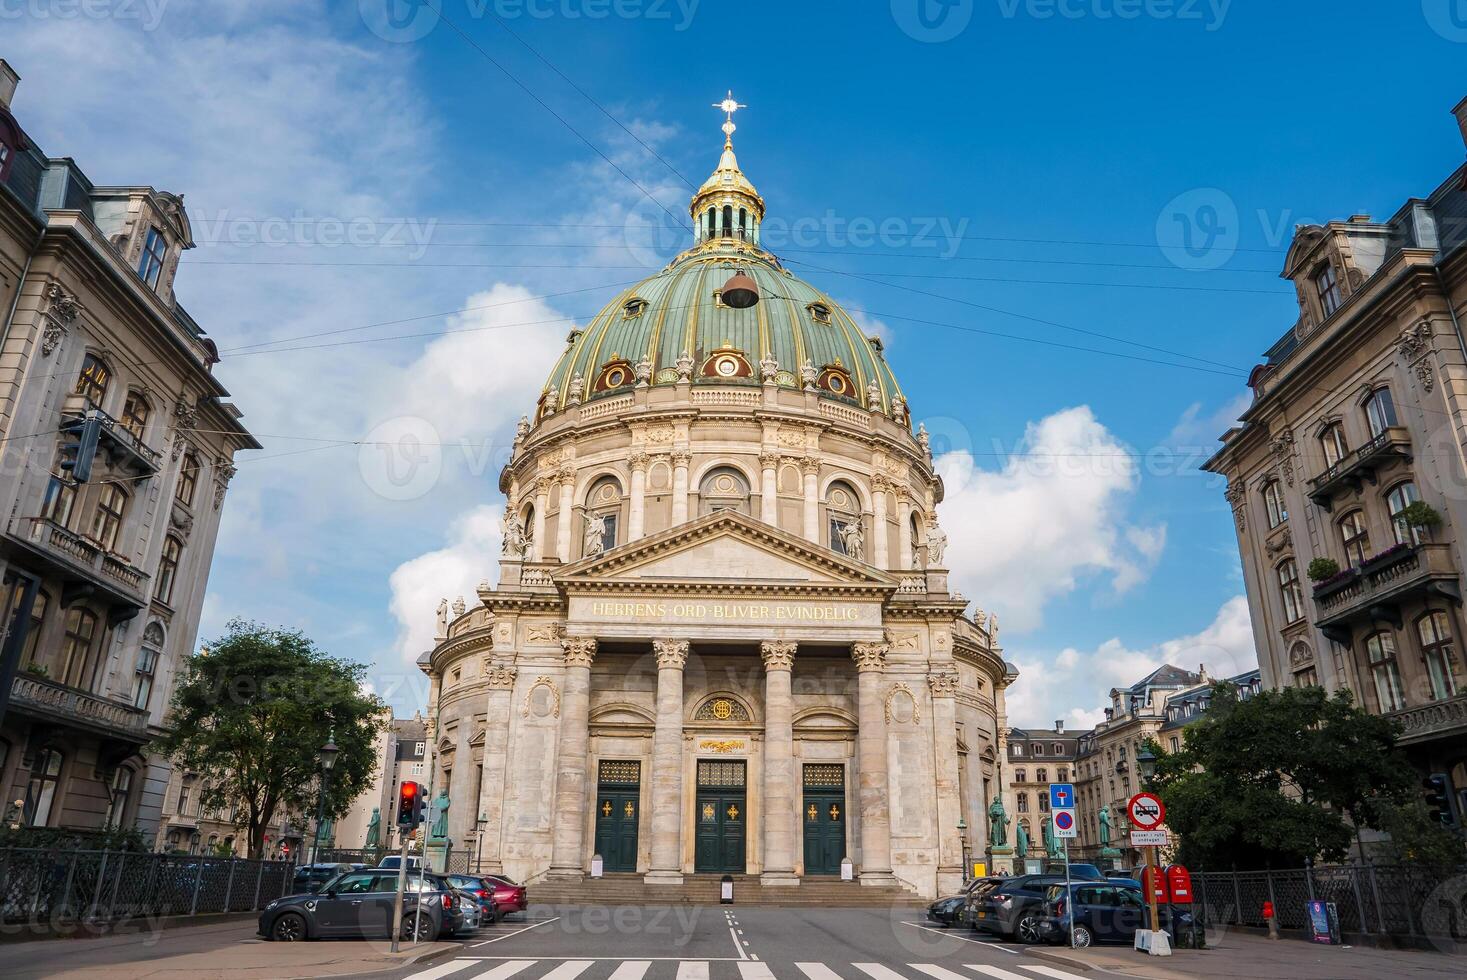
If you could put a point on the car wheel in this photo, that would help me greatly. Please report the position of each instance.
(290, 927)
(1027, 931)
(1083, 937)
(419, 928)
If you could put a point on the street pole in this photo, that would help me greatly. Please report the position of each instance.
(320, 813)
(1069, 892)
(1151, 896)
(401, 887)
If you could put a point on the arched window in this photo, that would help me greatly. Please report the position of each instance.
(1356, 537)
(843, 510)
(728, 221)
(1381, 651)
(1332, 441)
(919, 551)
(1402, 496)
(94, 378)
(168, 569)
(147, 665)
(188, 480)
(119, 792)
(528, 519)
(135, 413)
(1290, 591)
(1435, 631)
(107, 521)
(712, 221)
(744, 224)
(723, 488)
(603, 503)
(40, 790)
(1273, 502)
(76, 645)
(155, 250)
(1380, 411)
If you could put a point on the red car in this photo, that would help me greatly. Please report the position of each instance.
(509, 896)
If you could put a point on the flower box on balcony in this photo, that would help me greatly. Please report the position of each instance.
(1388, 557)
(1335, 583)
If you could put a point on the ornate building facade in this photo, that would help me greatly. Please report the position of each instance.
(722, 638)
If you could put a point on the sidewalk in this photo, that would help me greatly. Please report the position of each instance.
(1258, 958)
(221, 952)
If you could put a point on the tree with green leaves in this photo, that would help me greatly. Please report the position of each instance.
(249, 713)
(1272, 778)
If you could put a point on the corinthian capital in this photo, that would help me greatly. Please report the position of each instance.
(870, 656)
(769, 459)
(500, 675)
(670, 653)
(579, 650)
(943, 681)
(639, 461)
(778, 654)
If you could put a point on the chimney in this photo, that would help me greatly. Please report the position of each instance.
(1460, 112)
(1110, 713)
(1059, 726)
(8, 81)
(1202, 672)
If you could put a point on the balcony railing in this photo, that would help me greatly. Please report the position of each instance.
(1377, 588)
(81, 554)
(1433, 720)
(120, 442)
(35, 695)
(1361, 465)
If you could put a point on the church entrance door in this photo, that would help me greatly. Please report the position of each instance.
(618, 800)
(720, 818)
(825, 818)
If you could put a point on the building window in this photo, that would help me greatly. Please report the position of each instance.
(135, 414)
(93, 381)
(1016, 749)
(1290, 590)
(1039, 748)
(1273, 502)
(1062, 776)
(1328, 289)
(185, 795)
(1332, 441)
(1436, 647)
(168, 569)
(1021, 775)
(1043, 802)
(155, 250)
(1397, 501)
(188, 480)
(76, 645)
(1380, 411)
(142, 686)
(1041, 775)
(1381, 649)
(40, 791)
(33, 627)
(723, 489)
(111, 506)
(1176, 744)
(120, 791)
(1356, 538)
(819, 312)
(1023, 800)
(59, 501)
(4, 155)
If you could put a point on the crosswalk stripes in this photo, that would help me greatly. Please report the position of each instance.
(694, 970)
(467, 968)
(755, 971)
(817, 971)
(631, 970)
(569, 970)
(1001, 974)
(878, 972)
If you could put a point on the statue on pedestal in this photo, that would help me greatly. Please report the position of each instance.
(998, 823)
(1021, 841)
(439, 830)
(1104, 818)
(374, 830)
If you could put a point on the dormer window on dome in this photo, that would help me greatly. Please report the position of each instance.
(835, 379)
(618, 373)
(634, 308)
(727, 363)
(819, 312)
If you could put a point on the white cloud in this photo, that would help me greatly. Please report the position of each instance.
(1053, 514)
(1198, 431)
(1074, 685)
(470, 557)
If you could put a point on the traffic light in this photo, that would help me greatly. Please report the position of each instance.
(1438, 800)
(409, 805)
(77, 456)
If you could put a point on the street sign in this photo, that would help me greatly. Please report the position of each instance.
(1148, 838)
(1061, 796)
(1146, 811)
(1064, 824)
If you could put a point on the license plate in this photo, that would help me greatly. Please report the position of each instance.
(982, 915)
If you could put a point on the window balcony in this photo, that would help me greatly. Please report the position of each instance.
(81, 562)
(122, 448)
(1361, 466)
(1431, 721)
(1377, 589)
(41, 697)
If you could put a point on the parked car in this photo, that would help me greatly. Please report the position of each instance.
(482, 890)
(509, 895)
(947, 911)
(394, 861)
(360, 903)
(1078, 872)
(310, 877)
(1011, 907)
(1110, 912)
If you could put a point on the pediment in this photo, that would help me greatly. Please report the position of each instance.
(723, 548)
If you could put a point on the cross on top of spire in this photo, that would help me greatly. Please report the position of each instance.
(729, 106)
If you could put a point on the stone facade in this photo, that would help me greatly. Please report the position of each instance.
(1036, 758)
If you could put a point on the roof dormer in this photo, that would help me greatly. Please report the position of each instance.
(1328, 263)
(150, 229)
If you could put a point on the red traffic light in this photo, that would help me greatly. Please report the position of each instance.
(409, 804)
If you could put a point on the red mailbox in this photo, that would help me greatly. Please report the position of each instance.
(1179, 884)
(1153, 881)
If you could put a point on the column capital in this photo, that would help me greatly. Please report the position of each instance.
(579, 650)
(778, 654)
(670, 653)
(681, 457)
(943, 681)
(769, 459)
(810, 466)
(500, 674)
(870, 656)
(639, 461)
(544, 485)
(880, 483)
(567, 474)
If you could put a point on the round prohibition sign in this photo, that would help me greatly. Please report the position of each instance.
(1064, 820)
(1146, 811)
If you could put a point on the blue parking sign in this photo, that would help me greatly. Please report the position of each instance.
(1061, 796)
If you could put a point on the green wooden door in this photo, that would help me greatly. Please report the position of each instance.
(618, 808)
(824, 818)
(720, 817)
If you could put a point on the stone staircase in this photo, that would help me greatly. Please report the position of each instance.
(630, 889)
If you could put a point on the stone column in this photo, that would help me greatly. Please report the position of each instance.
(567, 511)
(680, 460)
(944, 683)
(879, 486)
(460, 788)
(769, 487)
(542, 503)
(779, 765)
(873, 798)
(570, 783)
(500, 677)
(904, 529)
(636, 520)
(667, 764)
(811, 469)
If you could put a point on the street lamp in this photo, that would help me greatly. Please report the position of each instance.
(326, 757)
(479, 840)
(1146, 761)
(963, 836)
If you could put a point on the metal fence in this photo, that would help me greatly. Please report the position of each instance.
(51, 885)
(1380, 900)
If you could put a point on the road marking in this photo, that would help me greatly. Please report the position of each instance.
(951, 935)
(533, 925)
(818, 971)
(938, 973)
(755, 971)
(630, 970)
(1001, 974)
(1047, 971)
(442, 971)
(692, 970)
(504, 970)
(738, 946)
(878, 972)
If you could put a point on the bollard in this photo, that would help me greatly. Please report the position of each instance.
(1271, 919)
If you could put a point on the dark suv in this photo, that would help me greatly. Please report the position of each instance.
(1010, 907)
(1109, 912)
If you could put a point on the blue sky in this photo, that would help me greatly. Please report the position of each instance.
(1033, 175)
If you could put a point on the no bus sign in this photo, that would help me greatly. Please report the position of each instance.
(1146, 811)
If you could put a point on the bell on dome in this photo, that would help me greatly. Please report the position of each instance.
(740, 292)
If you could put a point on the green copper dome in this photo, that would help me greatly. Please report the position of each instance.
(674, 323)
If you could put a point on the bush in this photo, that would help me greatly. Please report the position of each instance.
(1321, 569)
(1421, 514)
